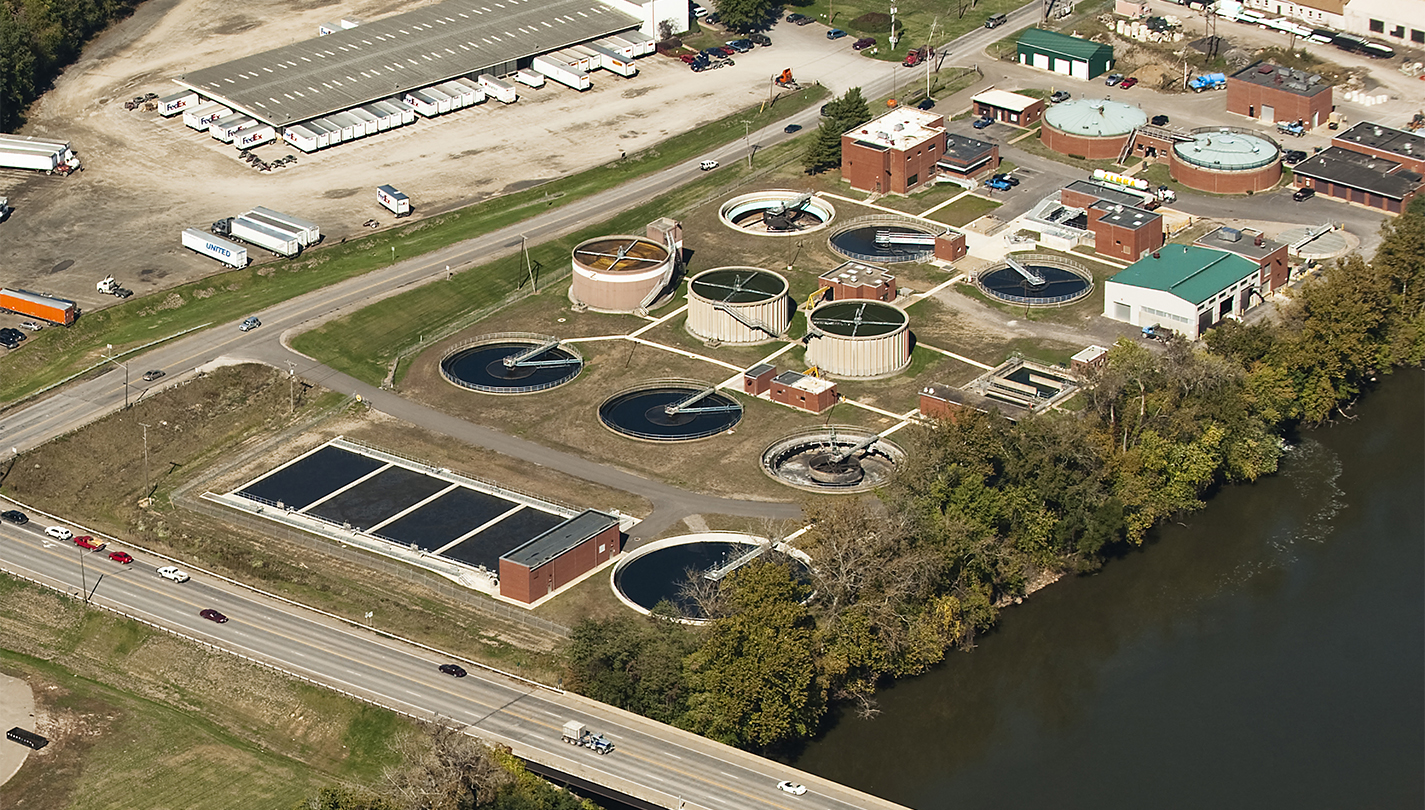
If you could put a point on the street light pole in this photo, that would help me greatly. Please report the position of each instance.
(291, 388)
(145, 459)
(125, 367)
(747, 140)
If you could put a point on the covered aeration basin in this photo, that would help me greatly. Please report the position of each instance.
(858, 338)
(620, 273)
(738, 305)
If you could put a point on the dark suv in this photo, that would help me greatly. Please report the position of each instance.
(17, 518)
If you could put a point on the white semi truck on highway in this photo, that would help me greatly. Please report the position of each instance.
(576, 734)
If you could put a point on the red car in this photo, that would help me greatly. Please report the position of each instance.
(121, 557)
(863, 43)
(1127, 83)
(689, 58)
(212, 615)
(85, 541)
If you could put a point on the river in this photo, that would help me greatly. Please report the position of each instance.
(1269, 651)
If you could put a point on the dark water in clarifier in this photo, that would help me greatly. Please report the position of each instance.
(1058, 282)
(1267, 652)
(482, 367)
(860, 243)
(661, 574)
(642, 414)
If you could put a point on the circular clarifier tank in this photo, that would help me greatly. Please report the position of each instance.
(739, 305)
(664, 569)
(511, 363)
(776, 213)
(834, 459)
(619, 273)
(858, 338)
(885, 240)
(1226, 161)
(1037, 280)
(670, 411)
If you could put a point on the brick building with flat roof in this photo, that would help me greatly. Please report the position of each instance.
(1359, 177)
(894, 153)
(803, 392)
(1122, 232)
(1008, 108)
(559, 556)
(968, 157)
(853, 279)
(1269, 254)
(1272, 93)
(1398, 145)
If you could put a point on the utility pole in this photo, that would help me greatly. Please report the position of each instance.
(145, 459)
(125, 367)
(747, 140)
(929, 52)
(893, 36)
(291, 389)
(529, 266)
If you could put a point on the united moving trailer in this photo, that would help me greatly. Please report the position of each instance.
(214, 248)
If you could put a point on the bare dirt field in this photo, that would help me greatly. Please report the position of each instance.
(147, 177)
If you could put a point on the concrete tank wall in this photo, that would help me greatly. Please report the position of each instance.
(616, 289)
(860, 356)
(707, 321)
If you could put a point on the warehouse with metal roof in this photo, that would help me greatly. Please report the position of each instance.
(409, 51)
(1185, 288)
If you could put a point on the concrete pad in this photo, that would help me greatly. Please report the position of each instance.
(17, 708)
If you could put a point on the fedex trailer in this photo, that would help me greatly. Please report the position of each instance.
(393, 200)
(503, 92)
(225, 128)
(169, 106)
(300, 137)
(257, 136)
(215, 248)
(423, 104)
(562, 73)
(204, 114)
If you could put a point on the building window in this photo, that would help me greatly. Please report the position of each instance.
(1377, 27)
(1398, 31)
(912, 180)
(1417, 35)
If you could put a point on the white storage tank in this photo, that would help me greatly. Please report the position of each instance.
(620, 273)
(858, 338)
(738, 305)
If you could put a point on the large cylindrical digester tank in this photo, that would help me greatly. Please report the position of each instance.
(738, 305)
(619, 273)
(858, 338)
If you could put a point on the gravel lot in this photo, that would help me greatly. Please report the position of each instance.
(146, 177)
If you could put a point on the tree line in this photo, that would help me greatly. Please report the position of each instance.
(38, 39)
(985, 508)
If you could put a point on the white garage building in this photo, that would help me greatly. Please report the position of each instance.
(1183, 287)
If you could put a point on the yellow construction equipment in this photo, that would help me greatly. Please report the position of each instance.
(815, 298)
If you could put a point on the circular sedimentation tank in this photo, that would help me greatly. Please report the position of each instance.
(858, 338)
(885, 240)
(1046, 280)
(619, 273)
(740, 305)
(670, 411)
(835, 458)
(664, 569)
(1226, 161)
(511, 363)
(776, 213)
(1096, 129)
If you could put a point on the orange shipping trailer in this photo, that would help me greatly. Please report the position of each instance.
(23, 302)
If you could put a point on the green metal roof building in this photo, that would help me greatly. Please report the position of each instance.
(1061, 53)
(1183, 287)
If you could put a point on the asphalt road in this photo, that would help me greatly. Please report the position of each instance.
(668, 764)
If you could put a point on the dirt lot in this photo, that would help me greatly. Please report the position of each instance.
(146, 177)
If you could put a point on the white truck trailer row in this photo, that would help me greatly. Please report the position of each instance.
(22, 152)
(283, 243)
(308, 232)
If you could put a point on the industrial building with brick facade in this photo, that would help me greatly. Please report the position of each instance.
(1272, 93)
(894, 153)
(559, 556)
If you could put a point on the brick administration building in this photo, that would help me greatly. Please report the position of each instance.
(894, 153)
(1271, 93)
(559, 556)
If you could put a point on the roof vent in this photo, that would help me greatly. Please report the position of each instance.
(1157, 255)
(1378, 132)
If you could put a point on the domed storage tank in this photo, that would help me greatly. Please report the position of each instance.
(1096, 129)
(738, 305)
(858, 338)
(620, 273)
(1226, 161)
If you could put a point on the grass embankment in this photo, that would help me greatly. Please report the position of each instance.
(54, 354)
(140, 719)
(914, 21)
(98, 472)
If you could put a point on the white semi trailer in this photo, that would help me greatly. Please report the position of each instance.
(215, 248)
(562, 73)
(503, 92)
(255, 233)
(22, 152)
(255, 136)
(393, 200)
(201, 116)
(311, 230)
(169, 106)
(529, 78)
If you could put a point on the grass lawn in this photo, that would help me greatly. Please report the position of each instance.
(914, 19)
(55, 354)
(965, 210)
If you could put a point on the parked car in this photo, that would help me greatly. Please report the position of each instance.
(9, 342)
(799, 19)
(1127, 83)
(121, 557)
(249, 324)
(1058, 96)
(59, 533)
(981, 123)
(698, 11)
(1113, 79)
(708, 165)
(688, 57)
(926, 103)
(454, 670)
(790, 128)
(1303, 194)
(761, 39)
(30, 326)
(1160, 120)
(725, 50)
(863, 43)
(85, 541)
(1008, 178)
(1156, 332)
(151, 375)
(792, 788)
(997, 184)
(17, 518)
(212, 615)
(835, 33)
(741, 45)
(171, 572)
(1293, 156)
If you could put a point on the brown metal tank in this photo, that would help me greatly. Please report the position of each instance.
(620, 273)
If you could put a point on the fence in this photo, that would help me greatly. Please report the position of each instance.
(888, 220)
(497, 337)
